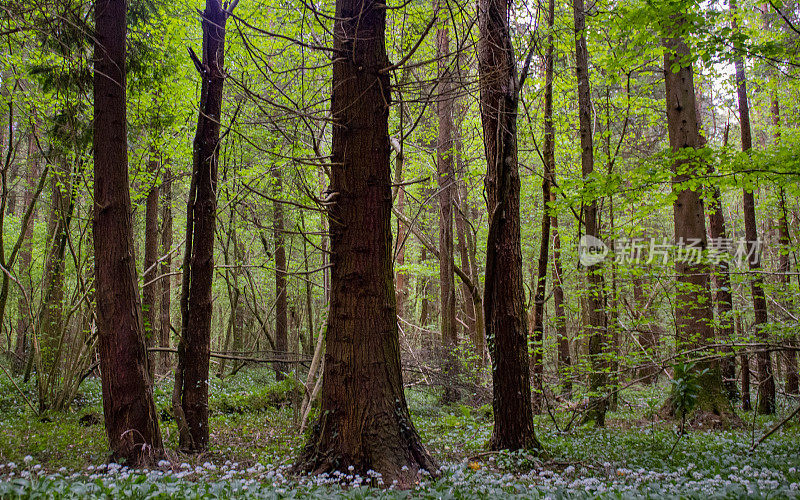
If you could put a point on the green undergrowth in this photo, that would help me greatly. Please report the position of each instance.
(254, 440)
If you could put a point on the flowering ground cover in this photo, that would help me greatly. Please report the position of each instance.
(255, 440)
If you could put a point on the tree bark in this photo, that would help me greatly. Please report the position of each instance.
(165, 311)
(281, 311)
(24, 309)
(549, 162)
(724, 296)
(693, 306)
(191, 375)
(766, 381)
(150, 286)
(597, 327)
(504, 298)
(446, 181)
(128, 407)
(364, 419)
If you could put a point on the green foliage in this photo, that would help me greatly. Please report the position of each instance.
(686, 388)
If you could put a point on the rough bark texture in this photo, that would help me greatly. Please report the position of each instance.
(191, 377)
(693, 305)
(766, 382)
(364, 419)
(598, 378)
(504, 309)
(130, 414)
(281, 311)
(446, 181)
(150, 286)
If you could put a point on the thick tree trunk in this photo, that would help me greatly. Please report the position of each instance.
(364, 419)
(446, 181)
(130, 413)
(150, 286)
(190, 398)
(549, 157)
(597, 327)
(165, 310)
(281, 312)
(694, 308)
(766, 381)
(504, 298)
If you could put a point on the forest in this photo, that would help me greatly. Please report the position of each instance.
(419, 249)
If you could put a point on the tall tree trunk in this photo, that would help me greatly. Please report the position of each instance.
(150, 286)
(51, 315)
(694, 308)
(766, 382)
(190, 398)
(504, 298)
(165, 314)
(784, 269)
(549, 162)
(724, 296)
(446, 181)
(792, 385)
(401, 276)
(364, 419)
(598, 379)
(130, 413)
(562, 337)
(24, 309)
(472, 309)
(281, 312)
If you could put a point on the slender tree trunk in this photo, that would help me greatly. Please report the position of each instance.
(281, 312)
(504, 298)
(364, 420)
(597, 327)
(766, 381)
(51, 315)
(130, 413)
(724, 296)
(190, 398)
(694, 308)
(549, 157)
(24, 309)
(444, 161)
(784, 269)
(401, 276)
(150, 286)
(165, 314)
(562, 337)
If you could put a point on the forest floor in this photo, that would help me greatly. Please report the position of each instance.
(254, 440)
